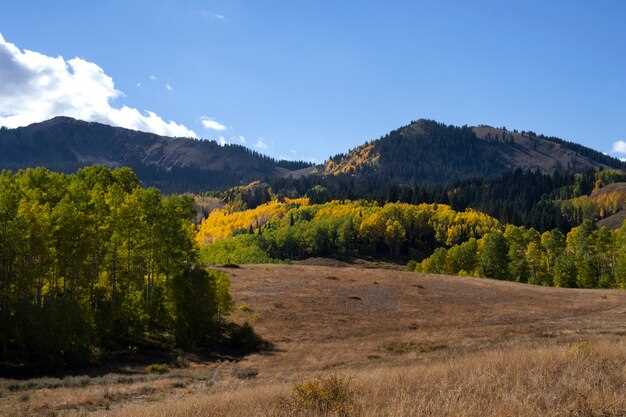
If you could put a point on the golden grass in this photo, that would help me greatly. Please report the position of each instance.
(410, 345)
(575, 380)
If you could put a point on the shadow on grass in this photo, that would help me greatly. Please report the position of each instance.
(234, 343)
(237, 342)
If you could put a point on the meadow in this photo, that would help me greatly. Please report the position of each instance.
(372, 340)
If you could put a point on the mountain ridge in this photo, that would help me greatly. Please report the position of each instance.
(428, 151)
(171, 164)
(422, 152)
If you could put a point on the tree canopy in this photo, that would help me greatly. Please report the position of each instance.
(93, 262)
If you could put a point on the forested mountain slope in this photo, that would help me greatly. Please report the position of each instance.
(422, 153)
(429, 152)
(171, 164)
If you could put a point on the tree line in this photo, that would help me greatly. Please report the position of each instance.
(433, 237)
(92, 263)
(524, 198)
(295, 229)
(586, 257)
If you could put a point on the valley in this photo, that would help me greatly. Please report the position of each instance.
(312, 209)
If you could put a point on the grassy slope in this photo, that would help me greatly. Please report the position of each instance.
(414, 344)
(615, 194)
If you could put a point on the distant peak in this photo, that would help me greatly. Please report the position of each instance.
(422, 122)
(62, 119)
(58, 120)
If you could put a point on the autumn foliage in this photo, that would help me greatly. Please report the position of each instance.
(296, 229)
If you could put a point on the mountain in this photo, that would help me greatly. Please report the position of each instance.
(423, 152)
(429, 152)
(171, 164)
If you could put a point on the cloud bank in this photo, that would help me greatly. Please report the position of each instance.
(619, 147)
(211, 124)
(36, 87)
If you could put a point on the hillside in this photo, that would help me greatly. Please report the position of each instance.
(424, 152)
(410, 342)
(603, 204)
(429, 152)
(171, 164)
(612, 196)
(609, 203)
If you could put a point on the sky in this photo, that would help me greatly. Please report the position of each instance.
(309, 79)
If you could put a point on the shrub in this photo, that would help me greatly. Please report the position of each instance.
(412, 265)
(245, 308)
(332, 395)
(157, 368)
(582, 349)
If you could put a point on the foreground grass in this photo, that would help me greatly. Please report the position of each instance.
(577, 380)
(358, 342)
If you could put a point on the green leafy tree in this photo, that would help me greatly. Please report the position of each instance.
(565, 272)
(605, 254)
(89, 261)
(194, 293)
(394, 236)
(579, 243)
(463, 257)
(620, 258)
(517, 239)
(536, 261)
(436, 263)
(553, 245)
(318, 194)
(493, 258)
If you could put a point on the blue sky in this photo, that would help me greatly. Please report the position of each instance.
(307, 79)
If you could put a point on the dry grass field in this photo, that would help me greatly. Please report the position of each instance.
(362, 341)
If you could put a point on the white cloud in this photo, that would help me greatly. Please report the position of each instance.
(260, 144)
(153, 77)
(211, 124)
(207, 14)
(139, 85)
(241, 139)
(619, 147)
(169, 87)
(37, 87)
(222, 141)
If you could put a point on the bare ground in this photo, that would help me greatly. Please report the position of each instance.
(385, 328)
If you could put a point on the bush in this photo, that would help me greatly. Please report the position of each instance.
(332, 395)
(157, 368)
